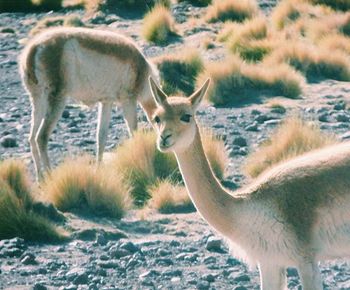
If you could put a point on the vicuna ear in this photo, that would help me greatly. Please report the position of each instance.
(158, 95)
(197, 96)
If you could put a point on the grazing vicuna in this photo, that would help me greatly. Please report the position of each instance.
(296, 214)
(90, 66)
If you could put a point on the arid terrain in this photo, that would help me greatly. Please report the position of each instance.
(175, 251)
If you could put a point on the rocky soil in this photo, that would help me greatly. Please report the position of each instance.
(163, 251)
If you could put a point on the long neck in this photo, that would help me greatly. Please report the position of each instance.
(211, 200)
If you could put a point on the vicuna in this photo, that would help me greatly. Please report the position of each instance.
(90, 66)
(296, 214)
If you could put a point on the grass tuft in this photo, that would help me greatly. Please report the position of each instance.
(294, 137)
(234, 81)
(178, 72)
(17, 218)
(315, 63)
(47, 22)
(198, 3)
(343, 5)
(168, 198)
(143, 165)
(29, 5)
(158, 25)
(78, 186)
(231, 10)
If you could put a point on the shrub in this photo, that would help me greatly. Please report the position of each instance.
(234, 81)
(231, 10)
(16, 216)
(178, 72)
(294, 137)
(314, 62)
(29, 5)
(289, 11)
(47, 22)
(158, 25)
(77, 186)
(169, 198)
(143, 165)
(343, 5)
(199, 3)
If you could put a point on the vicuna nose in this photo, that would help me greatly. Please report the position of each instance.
(165, 137)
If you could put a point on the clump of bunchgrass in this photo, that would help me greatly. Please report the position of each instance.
(143, 165)
(315, 63)
(168, 198)
(17, 218)
(55, 21)
(178, 71)
(294, 137)
(200, 3)
(79, 186)
(158, 25)
(29, 5)
(234, 81)
(343, 5)
(231, 10)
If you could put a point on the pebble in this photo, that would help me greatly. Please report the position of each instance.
(39, 286)
(8, 142)
(252, 128)
(203, 285)
(323, 117)
(28, 259)
(214, 244)
(242, 278)
(342, 117)
(240, 141)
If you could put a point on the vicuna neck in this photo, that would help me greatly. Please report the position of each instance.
(207, 194)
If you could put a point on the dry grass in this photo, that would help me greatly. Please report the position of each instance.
(47, 22)
(158, 25)
(178, 71)
(143, 165)
(169, 198)
(289, 11)
(315, 63)
(231, 10)
(234, 81)
(16, 216)
(336, 42)
(343, 5)
(294, 137)
(78, 186)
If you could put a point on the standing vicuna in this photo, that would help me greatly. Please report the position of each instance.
(297, 214)
(89, 66)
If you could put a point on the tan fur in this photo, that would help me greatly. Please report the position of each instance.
(296, 214)
(90, 66)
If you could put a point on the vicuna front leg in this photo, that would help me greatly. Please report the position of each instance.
(310, 276)
(104, 117)
(130, 115)
(272, 277)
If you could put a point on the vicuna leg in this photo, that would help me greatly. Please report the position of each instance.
(104, 117)
(39, 107)
(310, 276)
(130, 116)
(272, 277)
(53, 113)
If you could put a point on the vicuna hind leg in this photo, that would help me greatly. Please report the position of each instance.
(310, 276)
(130, 116)
(104, 117)
(39, 107)
(54, 111)
(272, 277)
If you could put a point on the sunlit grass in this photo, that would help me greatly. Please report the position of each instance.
(294, 137)
(78, 186)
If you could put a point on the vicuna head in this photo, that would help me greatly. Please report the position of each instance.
(174, 118)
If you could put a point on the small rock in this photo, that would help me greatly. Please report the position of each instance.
(65, 114)
(101, 239)
(242, 278)
(240, 288)
(340, 106)
(209, 260)
(252, 128)
(175, 243)
(28, 259)
(214, 244)
(323, 117)
(8, 142)
(262, 118)
(342, 118)
(203, 285)
(209, 277)
(240, 141)
(39, 286)
(292, 272)
(129, 246)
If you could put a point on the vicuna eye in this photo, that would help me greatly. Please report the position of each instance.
(186, 118)
(156, 119)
